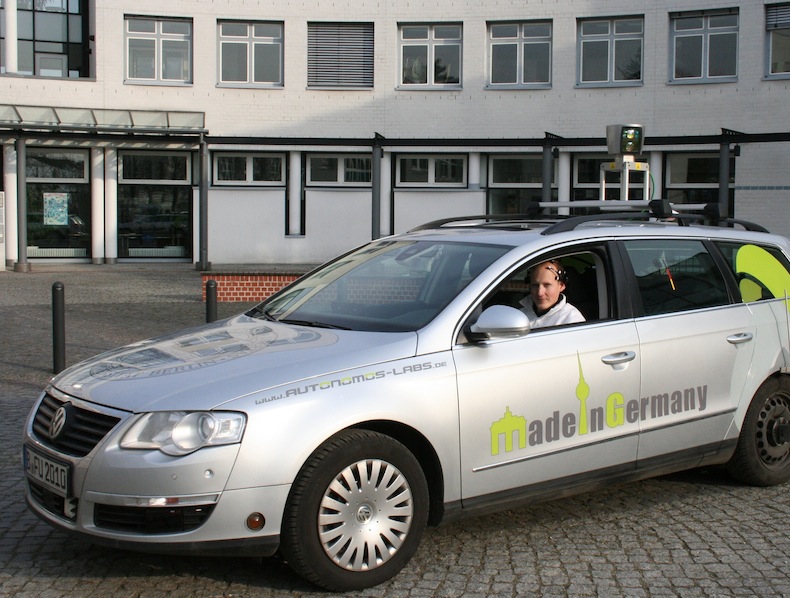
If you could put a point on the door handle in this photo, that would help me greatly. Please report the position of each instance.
(618, 358)
(741, 337)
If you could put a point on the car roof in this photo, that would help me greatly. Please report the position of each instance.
(656, 220)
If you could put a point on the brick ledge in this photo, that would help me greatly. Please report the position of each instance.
(250, 284)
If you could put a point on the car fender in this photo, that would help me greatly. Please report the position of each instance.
(286, 425)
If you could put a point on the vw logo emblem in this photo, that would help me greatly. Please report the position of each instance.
(58, 422)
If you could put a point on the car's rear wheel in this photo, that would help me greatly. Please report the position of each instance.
(762, 457)
(356, 512)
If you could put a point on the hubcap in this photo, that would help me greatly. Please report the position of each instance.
(365, 515)
(775, 413)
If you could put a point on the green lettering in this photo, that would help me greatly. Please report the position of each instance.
(614, 410)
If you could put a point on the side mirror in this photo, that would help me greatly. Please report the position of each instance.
(498, 321)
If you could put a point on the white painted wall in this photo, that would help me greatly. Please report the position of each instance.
(246, 226)
(336, 221)
(413, 208)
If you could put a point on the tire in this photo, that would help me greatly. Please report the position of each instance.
(760, 458)
(356, 512)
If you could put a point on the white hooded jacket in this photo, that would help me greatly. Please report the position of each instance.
(562, 313)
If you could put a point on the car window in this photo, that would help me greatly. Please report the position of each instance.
(585, 278)
(761, 272)
(386, 286)
(675, 275)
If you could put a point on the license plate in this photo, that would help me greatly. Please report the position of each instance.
(53, 475)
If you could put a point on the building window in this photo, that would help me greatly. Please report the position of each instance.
(587, 179)
(250, 54)
(515, 182)
(425, 45)
(249, 169)
(436, 171)
(58, 203)
(704, 46)
(610, 51)
(158, 50)
(155, 168)
(694, 178)
(777, 24)
(520, 54)
(349, 170)
(340, 55)
(53, 39)
(154, 205)
(47, 166)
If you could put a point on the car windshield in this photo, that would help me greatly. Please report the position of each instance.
(386, 286)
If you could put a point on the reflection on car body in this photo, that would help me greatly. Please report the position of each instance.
(400, 385)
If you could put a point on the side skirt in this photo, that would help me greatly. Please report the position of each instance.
(711, 454)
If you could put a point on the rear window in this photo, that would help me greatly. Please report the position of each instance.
(675, 275)
(763, 272)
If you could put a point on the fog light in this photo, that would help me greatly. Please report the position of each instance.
(256, 521)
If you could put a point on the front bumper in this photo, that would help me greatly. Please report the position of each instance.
(216, 529)
(81, 481)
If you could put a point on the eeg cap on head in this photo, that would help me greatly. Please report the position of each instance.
(554, 266)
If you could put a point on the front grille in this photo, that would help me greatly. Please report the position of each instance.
(84, 428)
(55, 504)
(151, 520)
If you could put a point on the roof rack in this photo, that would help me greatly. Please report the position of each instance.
(635, 210)
(661, 209)
(530, 218)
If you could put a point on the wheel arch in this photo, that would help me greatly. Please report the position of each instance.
(425, 454)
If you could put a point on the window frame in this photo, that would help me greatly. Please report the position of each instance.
(685, 192)
(32, 152)
(612, 38)
(187, 180)
(431, 42)
(522, 40)
(704, 32)
(251, 43)
(37, 45)
(777, 19)
(249, 171)
(431, 170)
(729, 250)
(492, 158)
(630, 248)
(160, 39)
(635, 188)
(342, 168)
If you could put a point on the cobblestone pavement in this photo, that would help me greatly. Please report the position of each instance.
(691, 534)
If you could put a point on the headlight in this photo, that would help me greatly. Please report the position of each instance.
(181, 432)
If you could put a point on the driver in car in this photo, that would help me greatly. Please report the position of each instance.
(546, 304)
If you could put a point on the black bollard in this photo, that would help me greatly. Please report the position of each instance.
(211, 301)
(58, 328)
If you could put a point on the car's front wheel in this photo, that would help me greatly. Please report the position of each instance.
(356, 512)
(762, 457)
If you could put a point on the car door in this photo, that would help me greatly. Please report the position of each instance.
(696, 347)
(549, 410)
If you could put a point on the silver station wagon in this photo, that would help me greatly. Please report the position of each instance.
(465, 366)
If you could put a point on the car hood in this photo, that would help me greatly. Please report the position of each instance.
(204, 367)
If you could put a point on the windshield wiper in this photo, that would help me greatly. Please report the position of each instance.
(312, 324)
(258, 311)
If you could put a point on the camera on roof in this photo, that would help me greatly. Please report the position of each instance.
(624, 139)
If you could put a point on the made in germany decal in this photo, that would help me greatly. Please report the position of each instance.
(615, 411)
